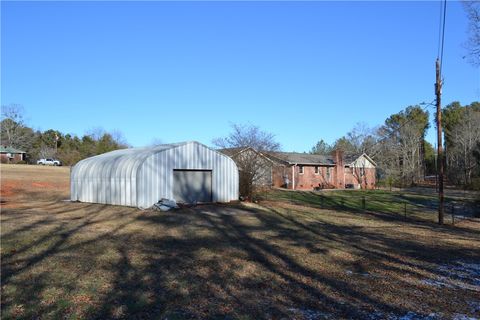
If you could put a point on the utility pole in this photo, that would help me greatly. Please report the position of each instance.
(56, 143)
(440, 162)
(436, 171)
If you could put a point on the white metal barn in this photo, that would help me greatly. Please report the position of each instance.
(139, 177)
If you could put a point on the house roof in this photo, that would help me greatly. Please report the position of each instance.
(302, 158)
(5, 149)
(350, 158)
(232, 152)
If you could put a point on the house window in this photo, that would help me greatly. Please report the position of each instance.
(328, 174)
(300, 169)
(316, 170)
(362, 171)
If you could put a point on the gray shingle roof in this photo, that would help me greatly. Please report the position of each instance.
(299, 158)
(231, 151)
(5, 149)
(302, 158)
(349, 158)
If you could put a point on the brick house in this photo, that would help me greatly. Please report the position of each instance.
(311, 171)
(303, 171)
(360, 171)
(11, 155)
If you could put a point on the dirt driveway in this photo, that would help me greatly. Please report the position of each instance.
(27, 183)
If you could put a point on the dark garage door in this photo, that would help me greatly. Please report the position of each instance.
(192, 186)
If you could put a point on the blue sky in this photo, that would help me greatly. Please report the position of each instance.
(179, 71)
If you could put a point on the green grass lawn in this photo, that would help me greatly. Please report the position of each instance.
(407, 204)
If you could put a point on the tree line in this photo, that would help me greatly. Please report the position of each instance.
(398, 146)
(68, 148)
(403, 155)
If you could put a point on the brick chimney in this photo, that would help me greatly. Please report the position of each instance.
(339, 170)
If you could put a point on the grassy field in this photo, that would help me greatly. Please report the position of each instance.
(421, 203)
(288, 257)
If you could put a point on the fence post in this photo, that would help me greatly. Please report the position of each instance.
(405, 209)
(453, 213)
(364, 204)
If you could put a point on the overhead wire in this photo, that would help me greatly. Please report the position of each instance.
(403, 124)
(441, 42)
(442, 30)
(439, 45)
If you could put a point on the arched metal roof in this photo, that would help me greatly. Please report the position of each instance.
(127, 176)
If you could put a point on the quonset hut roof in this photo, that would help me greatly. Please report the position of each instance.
(122, 160)
(142, 176)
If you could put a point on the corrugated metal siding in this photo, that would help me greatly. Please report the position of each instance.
(141, 176)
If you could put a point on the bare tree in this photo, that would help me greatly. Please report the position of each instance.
(245, 144)
(473, 44)
(361, 139)
(252, 136)
(96, 133)
(465, 136)
(401, 151)
(119, 138)
(107, 141)
(388, 160)
(410, 152)
(14, 132)
(255, 171)
(46, 152)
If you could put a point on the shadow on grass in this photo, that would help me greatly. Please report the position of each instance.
(207, 262)
(389, 205)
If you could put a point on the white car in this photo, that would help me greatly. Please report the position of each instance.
(49, 162)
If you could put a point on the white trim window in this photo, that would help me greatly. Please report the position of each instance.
(317, 170)
(301, 169)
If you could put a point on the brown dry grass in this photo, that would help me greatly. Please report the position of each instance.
(274, 260)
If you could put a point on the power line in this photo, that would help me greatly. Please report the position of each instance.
(390, 134)
(439, 29)
(442, 28)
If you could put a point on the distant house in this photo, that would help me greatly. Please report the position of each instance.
(303, 171)
(11, 155)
